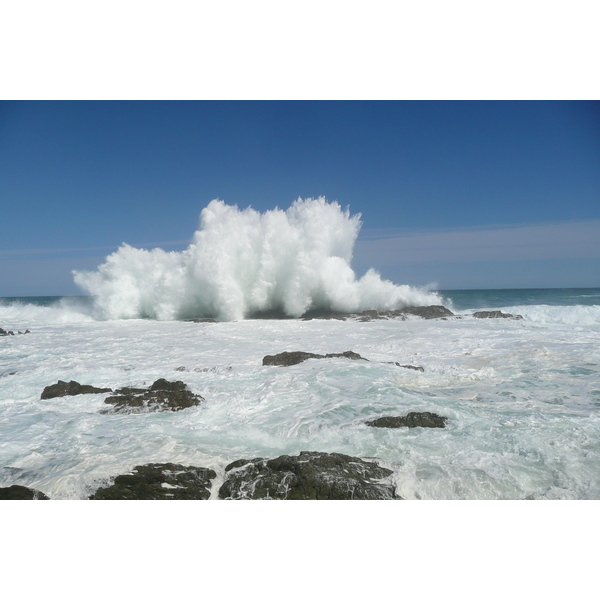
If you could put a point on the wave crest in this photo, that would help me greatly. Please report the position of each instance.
(243, 262)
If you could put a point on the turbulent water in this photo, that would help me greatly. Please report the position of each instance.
(522, 397)
(242, 262)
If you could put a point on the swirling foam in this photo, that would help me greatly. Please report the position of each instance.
(243, 262)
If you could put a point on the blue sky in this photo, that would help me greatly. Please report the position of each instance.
(463, 194)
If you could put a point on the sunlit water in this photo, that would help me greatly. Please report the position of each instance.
(522, 397)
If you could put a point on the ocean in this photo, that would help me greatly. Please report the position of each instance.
(522, 397)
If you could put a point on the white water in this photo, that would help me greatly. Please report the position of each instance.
(566, 315)
(243, 262)
(523, 402)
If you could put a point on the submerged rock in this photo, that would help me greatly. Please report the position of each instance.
(309, 476)
(20, 492)
(159, 481)
(495, 314)
(4, 332)
(412, 419)
(62, 388)
(413, 367)
(204, 320)
(287, 359)
(162, 395)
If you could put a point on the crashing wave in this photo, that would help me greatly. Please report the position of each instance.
(242, 262)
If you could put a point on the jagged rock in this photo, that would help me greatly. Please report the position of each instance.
(62, 388)
(159, 481)
(310, 476)
(425, 312)
(287, 359)
(162, 395)
(20, 492)
(4, 332)
(412, 419)
(413, 367)
(495, 314)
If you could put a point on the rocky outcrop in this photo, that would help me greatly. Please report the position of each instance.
(309, 476)
(412, 419)
(285, 359)
(495, 314)
(4, 332)
(425, 312)
(162, 396)
(72, 388)
(19, 492)
(159, 481)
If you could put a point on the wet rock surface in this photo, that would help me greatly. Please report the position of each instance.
(162, 396)
(287, 359)
(159, 481)
(495, 314)
(309, 476)
(425, 312)
(203, 320)
(72, 388)
(412, 419)
(20, 492)
(413, 367)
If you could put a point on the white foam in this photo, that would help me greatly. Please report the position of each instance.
(565, 315)
(22, 314)
(242, 261)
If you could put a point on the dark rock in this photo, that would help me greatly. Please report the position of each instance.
(19, 492)
(413, 419)
(287, 359)
(407, 366)
(159, 481)
(62, 388)
(425, 312)
(310, 476)
(162, 396)
(207, 320)
(3, 332)
(495, 314)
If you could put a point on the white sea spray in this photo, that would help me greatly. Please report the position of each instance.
(242, 262)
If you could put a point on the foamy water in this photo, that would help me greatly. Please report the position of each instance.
(522, 397)
(522, 400)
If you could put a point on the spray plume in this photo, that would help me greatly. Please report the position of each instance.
(242, 262)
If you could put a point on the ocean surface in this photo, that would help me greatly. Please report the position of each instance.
(522, 396)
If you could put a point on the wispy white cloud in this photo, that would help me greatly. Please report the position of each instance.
(559, 240)
(38, 251)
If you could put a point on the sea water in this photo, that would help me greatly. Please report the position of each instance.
(522, 397)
